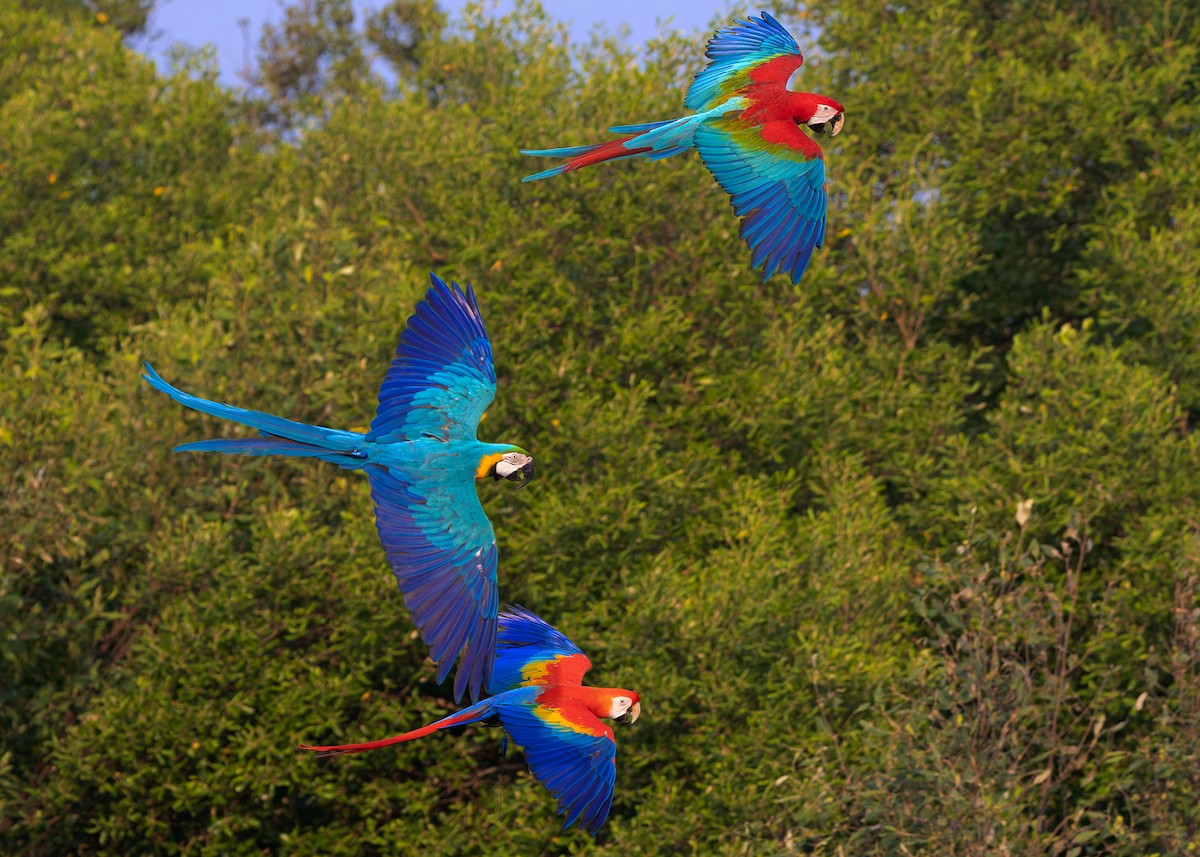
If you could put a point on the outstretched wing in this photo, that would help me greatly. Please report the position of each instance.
(774, 173)
(530, 652)
(572, 753)
(442, 548)
(442, 378)
(735, 51)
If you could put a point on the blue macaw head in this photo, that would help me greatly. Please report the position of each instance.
(513, 464)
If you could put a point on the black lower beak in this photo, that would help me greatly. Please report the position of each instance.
(523, 476)
(831, 127)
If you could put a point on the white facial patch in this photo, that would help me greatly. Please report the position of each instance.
(510, 464)
(625, 710)
(824, 113)
(827, 119)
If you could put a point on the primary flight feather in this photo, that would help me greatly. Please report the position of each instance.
(422, 459)
(747, 129)
(539, 698)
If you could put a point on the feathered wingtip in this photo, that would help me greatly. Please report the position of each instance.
(750, 36)
(444, 318)
(452, 292)
(519, 626)
(738, 46)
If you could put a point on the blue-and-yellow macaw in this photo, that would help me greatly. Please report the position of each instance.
(747, 129)
(422, 459)
(541, 701)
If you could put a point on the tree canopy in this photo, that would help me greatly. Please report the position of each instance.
(904, 559)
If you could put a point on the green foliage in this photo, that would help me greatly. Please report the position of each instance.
(114, 178)
(318, 53)
(129, 17)
(1024, 120)
(902, 560)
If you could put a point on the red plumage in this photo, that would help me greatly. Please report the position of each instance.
(602, 152)
(346, 749)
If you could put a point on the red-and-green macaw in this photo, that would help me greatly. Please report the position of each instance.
(422, 459)
(747, 129)
(541, 701)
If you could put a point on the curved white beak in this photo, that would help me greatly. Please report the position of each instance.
(830, 127)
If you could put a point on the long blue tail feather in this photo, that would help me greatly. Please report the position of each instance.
(546, 174)
(564, 152)
(639, 127)
(280, 436)
(274, 446)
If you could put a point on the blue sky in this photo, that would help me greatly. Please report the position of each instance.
(197, 22)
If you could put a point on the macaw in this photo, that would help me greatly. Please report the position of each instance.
(747, 130)
(538, 696)
(422, 459)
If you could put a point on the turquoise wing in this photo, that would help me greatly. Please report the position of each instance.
(438, 540)
(734, 50)
(442, 379)
(776, 186)
(572, 753)
(442, 549)
(529, 651)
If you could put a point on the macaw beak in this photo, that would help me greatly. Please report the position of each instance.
(632, 714)
(523, 476)
(832, 127)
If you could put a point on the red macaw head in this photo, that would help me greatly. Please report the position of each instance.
(626, 707)
(822, 114)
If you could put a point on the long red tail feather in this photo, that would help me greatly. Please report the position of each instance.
(602, 153)
(346, 749)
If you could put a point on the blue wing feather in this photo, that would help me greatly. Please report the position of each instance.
(445, 564)
(779, 195)
(523, 639)
(577, 768)
(736, 48)
(442, 378)
(520, 627)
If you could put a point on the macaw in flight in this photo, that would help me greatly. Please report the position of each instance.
(747, 130)
(422, 459)
(540, 700)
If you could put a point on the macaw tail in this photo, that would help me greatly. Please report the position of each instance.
(479, 711)
(279, 436)
(579, 157)
(653, 140)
